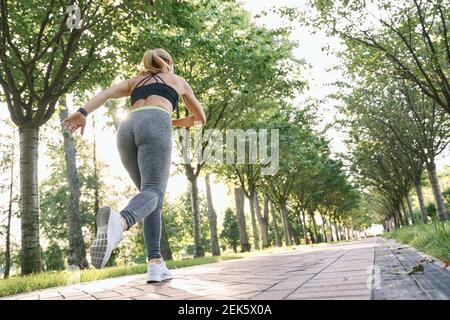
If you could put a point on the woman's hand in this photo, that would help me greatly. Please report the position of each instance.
(74, 121)
(187, 122)
(190, 121)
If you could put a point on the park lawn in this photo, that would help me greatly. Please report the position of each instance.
(44, 280)
(431, 238)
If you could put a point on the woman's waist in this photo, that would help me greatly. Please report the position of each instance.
(149, 107)
(153, 100)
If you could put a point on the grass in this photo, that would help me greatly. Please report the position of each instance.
(21, 284)
(431, 238)
(44, 280)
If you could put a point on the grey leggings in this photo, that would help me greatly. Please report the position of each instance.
(144, 141)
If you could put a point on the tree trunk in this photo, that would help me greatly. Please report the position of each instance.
(305, 228)
(324, 230)
(347, 234)
(276, 230)
(77, 251)
(342, 230)
(239, 199)
(8, 224)
(423, 208)
(166, 252)
(434, 180)
(96, 172)
(338, 236)
(300, 222)
(400, 216)
(410, 209)
(198, 248)
(29, 202)
(212, 220)
(314, 227)
(255, 231)
(331, 230)
(294, 235)
(284, 218)
(262, 219)
(311, 234)
(396, 224)
(405, 214)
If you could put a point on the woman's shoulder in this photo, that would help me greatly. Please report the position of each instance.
(178, 78)
(181, 81)
(180, 84)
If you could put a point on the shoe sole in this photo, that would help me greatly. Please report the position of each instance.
(100, 253)
(159, 279)
(162, 279)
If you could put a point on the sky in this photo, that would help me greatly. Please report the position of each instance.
(318, 76)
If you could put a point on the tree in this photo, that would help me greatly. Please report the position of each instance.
(276, 230)
(55, 194)
(77, 251)
(263, 219)
(296, 129)
(239, 198)
(7, 159)
(212, 220)
(420, 131)
(230, 231)
(410, 39)
(37, 68)
(220, 57)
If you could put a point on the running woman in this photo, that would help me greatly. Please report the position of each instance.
(144, 141)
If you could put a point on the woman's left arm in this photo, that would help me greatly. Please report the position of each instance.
(78, 120)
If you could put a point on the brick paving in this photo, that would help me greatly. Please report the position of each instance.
(335, 271)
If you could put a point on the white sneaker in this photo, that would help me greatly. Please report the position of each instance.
(157, 272)
(109, 234)
(167, 275)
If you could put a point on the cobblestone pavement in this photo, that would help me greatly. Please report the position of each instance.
(364, 269)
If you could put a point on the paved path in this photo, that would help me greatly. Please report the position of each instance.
(337, 271)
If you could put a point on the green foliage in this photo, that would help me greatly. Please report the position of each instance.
(178, 222)
(132, 250)
(397, 39)
(431, 238)
(446, 195)
(54, 189)
(431, 210)
(50, 60)
(396, 65)
(230, 231)
(54, 257)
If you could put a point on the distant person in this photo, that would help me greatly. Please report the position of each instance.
(144, 141)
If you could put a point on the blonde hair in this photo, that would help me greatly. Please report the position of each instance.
(156, 61)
